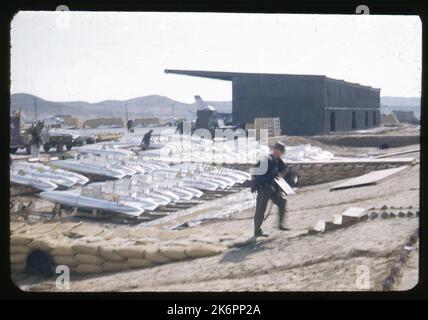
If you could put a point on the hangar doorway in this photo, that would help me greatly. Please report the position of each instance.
(332, 121)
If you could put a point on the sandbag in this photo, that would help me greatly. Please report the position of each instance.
(72, 269)
(41, 244)
(19, 249)
(173, 252)
(131, 252)
(17, 267)
(41, 229)
(179, 234)
(84, 230)
(110, 254)
(202, 250)
(69, 261)
(20, 240)
(65, 227)
(17, 258)
(85, 268)
(153, 254)
(116, 233)
(89, 258)
(85, 248)
(139, 263)
(14, 226)
(62, 250)
(115, 266)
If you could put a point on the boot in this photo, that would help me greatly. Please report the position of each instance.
(259, 233)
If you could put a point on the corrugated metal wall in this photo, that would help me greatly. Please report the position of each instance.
(303, 103)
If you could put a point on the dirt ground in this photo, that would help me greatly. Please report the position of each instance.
(286, 260)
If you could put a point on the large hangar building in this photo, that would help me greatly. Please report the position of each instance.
(305, 104)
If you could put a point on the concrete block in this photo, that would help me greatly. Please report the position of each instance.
(353, 215)
(330, 226)
(374, 215)
(393, 214)
(319, 227)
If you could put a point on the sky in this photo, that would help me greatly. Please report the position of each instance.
(95, 56)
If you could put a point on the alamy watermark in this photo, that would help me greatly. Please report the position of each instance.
(228, 146)
(63, 19)
(362, 281)
(62, 281)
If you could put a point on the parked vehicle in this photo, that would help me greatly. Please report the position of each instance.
(53, 136)
(19, 137)
(56, 140)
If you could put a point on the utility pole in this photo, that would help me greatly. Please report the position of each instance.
(126, 110)
(35, 109)
(172, 110)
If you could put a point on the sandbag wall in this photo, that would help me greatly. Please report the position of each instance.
(311, 173)
(90, 258)
(94, 123)
(370, 140)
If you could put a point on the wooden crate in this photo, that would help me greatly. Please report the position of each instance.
(271, 124)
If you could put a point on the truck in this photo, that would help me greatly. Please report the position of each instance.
(19, 137)
(56, 140)
(53, 136)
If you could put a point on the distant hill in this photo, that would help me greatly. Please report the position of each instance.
(154, 105)
(389, 104)
(146, 106)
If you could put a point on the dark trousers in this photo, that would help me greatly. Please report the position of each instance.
(264, 194)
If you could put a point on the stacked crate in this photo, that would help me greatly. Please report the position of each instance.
(271, 124)
(144, 122)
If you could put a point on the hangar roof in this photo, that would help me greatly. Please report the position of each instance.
(229, 76)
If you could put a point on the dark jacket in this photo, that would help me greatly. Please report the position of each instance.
(36, 134)
(146, 138)
(276, 167)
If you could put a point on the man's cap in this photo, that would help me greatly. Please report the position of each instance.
(279, 146)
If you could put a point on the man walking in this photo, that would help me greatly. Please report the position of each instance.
(267, 189)
(145, 144)
(130, 125)
(36, 139)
